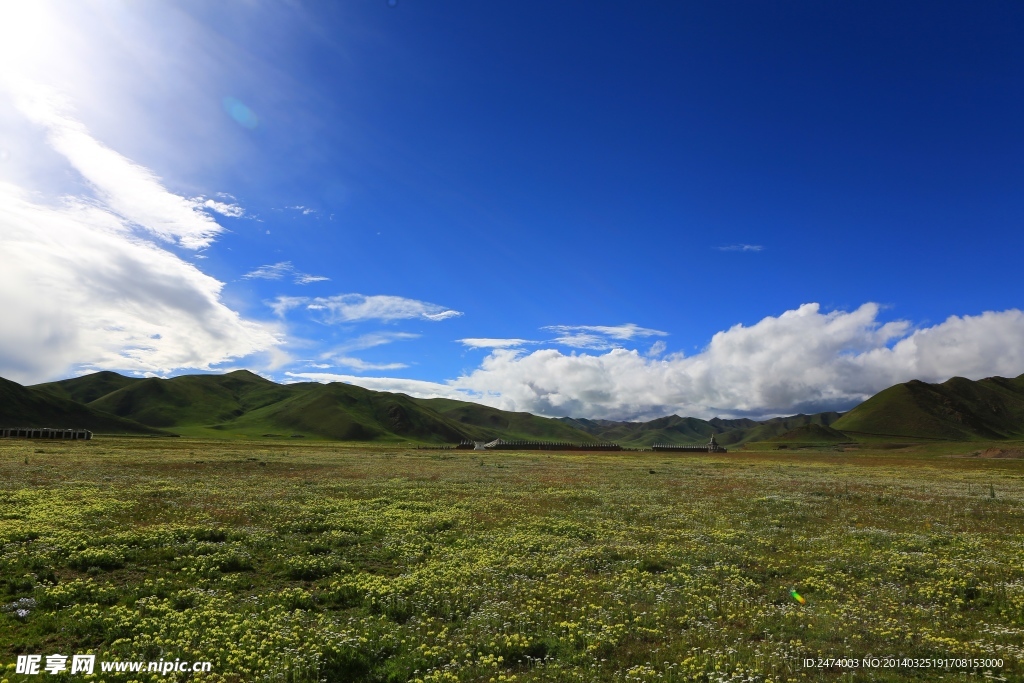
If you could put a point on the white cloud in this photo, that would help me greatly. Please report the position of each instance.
(489, 343)
(657, 348)
(369, 341)
(274, 271)
(87, 277)
(346, 308)
(801, 361)
(360, 365)
(306, 278)
(87, 292)
(282, 304)
(132, 192)
(599, 337)
(412, 387)
(741, 247)
(223, 208)
(277, 271)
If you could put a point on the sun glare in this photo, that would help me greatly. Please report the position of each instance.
(29, 38)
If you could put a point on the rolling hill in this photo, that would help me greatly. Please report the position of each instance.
(677, 430)
(24, 407)
(243, 404)
(958, 409)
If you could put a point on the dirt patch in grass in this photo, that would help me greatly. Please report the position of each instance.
(1001, 453)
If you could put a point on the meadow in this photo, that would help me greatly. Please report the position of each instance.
(319, 561)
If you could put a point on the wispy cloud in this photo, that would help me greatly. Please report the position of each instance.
(306, 278)
(488, 343)
(277, 271)
(131, 191)
(360, 365)
(741, 247)
(274, 271)
(369, 341)
(598, 337)
(346, 308)
(231, 210)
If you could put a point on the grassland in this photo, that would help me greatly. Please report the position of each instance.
(280, 561)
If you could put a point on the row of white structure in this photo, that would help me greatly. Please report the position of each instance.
(43, 433)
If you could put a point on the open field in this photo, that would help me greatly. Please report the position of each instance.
(284, 561)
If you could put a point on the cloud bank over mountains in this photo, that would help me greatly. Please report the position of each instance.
(804, 360)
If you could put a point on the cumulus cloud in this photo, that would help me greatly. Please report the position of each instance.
(348, 308)
(489, 343)
(277, 271)
(804, 360)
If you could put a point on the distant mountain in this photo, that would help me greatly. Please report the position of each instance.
(490, 423)
(28, 407)
(958, 409)
(243, 404)
(776, 426)
(675, 430)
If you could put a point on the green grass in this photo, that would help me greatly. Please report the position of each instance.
(316, 561)
(957, 410)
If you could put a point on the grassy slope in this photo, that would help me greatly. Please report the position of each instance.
(958, 409)
(677, 430)
(26, 407)
(87, 388)
(192, 400)
(666, 430)
(776, 426)
(243, 404)
(348, 412)
(812, 433)
(482, 422)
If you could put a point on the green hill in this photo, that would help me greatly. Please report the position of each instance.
(776, 426)
(191, 400)
(87, 388)
(664, 430)
(351, 413)
(485, 423)
(27, 407)
(958, 409)
(241, 403)
(679, 431)
(812, 433)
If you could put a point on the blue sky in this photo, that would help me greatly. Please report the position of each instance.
(589, 209)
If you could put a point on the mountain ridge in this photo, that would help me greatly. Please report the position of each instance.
(244, 404)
